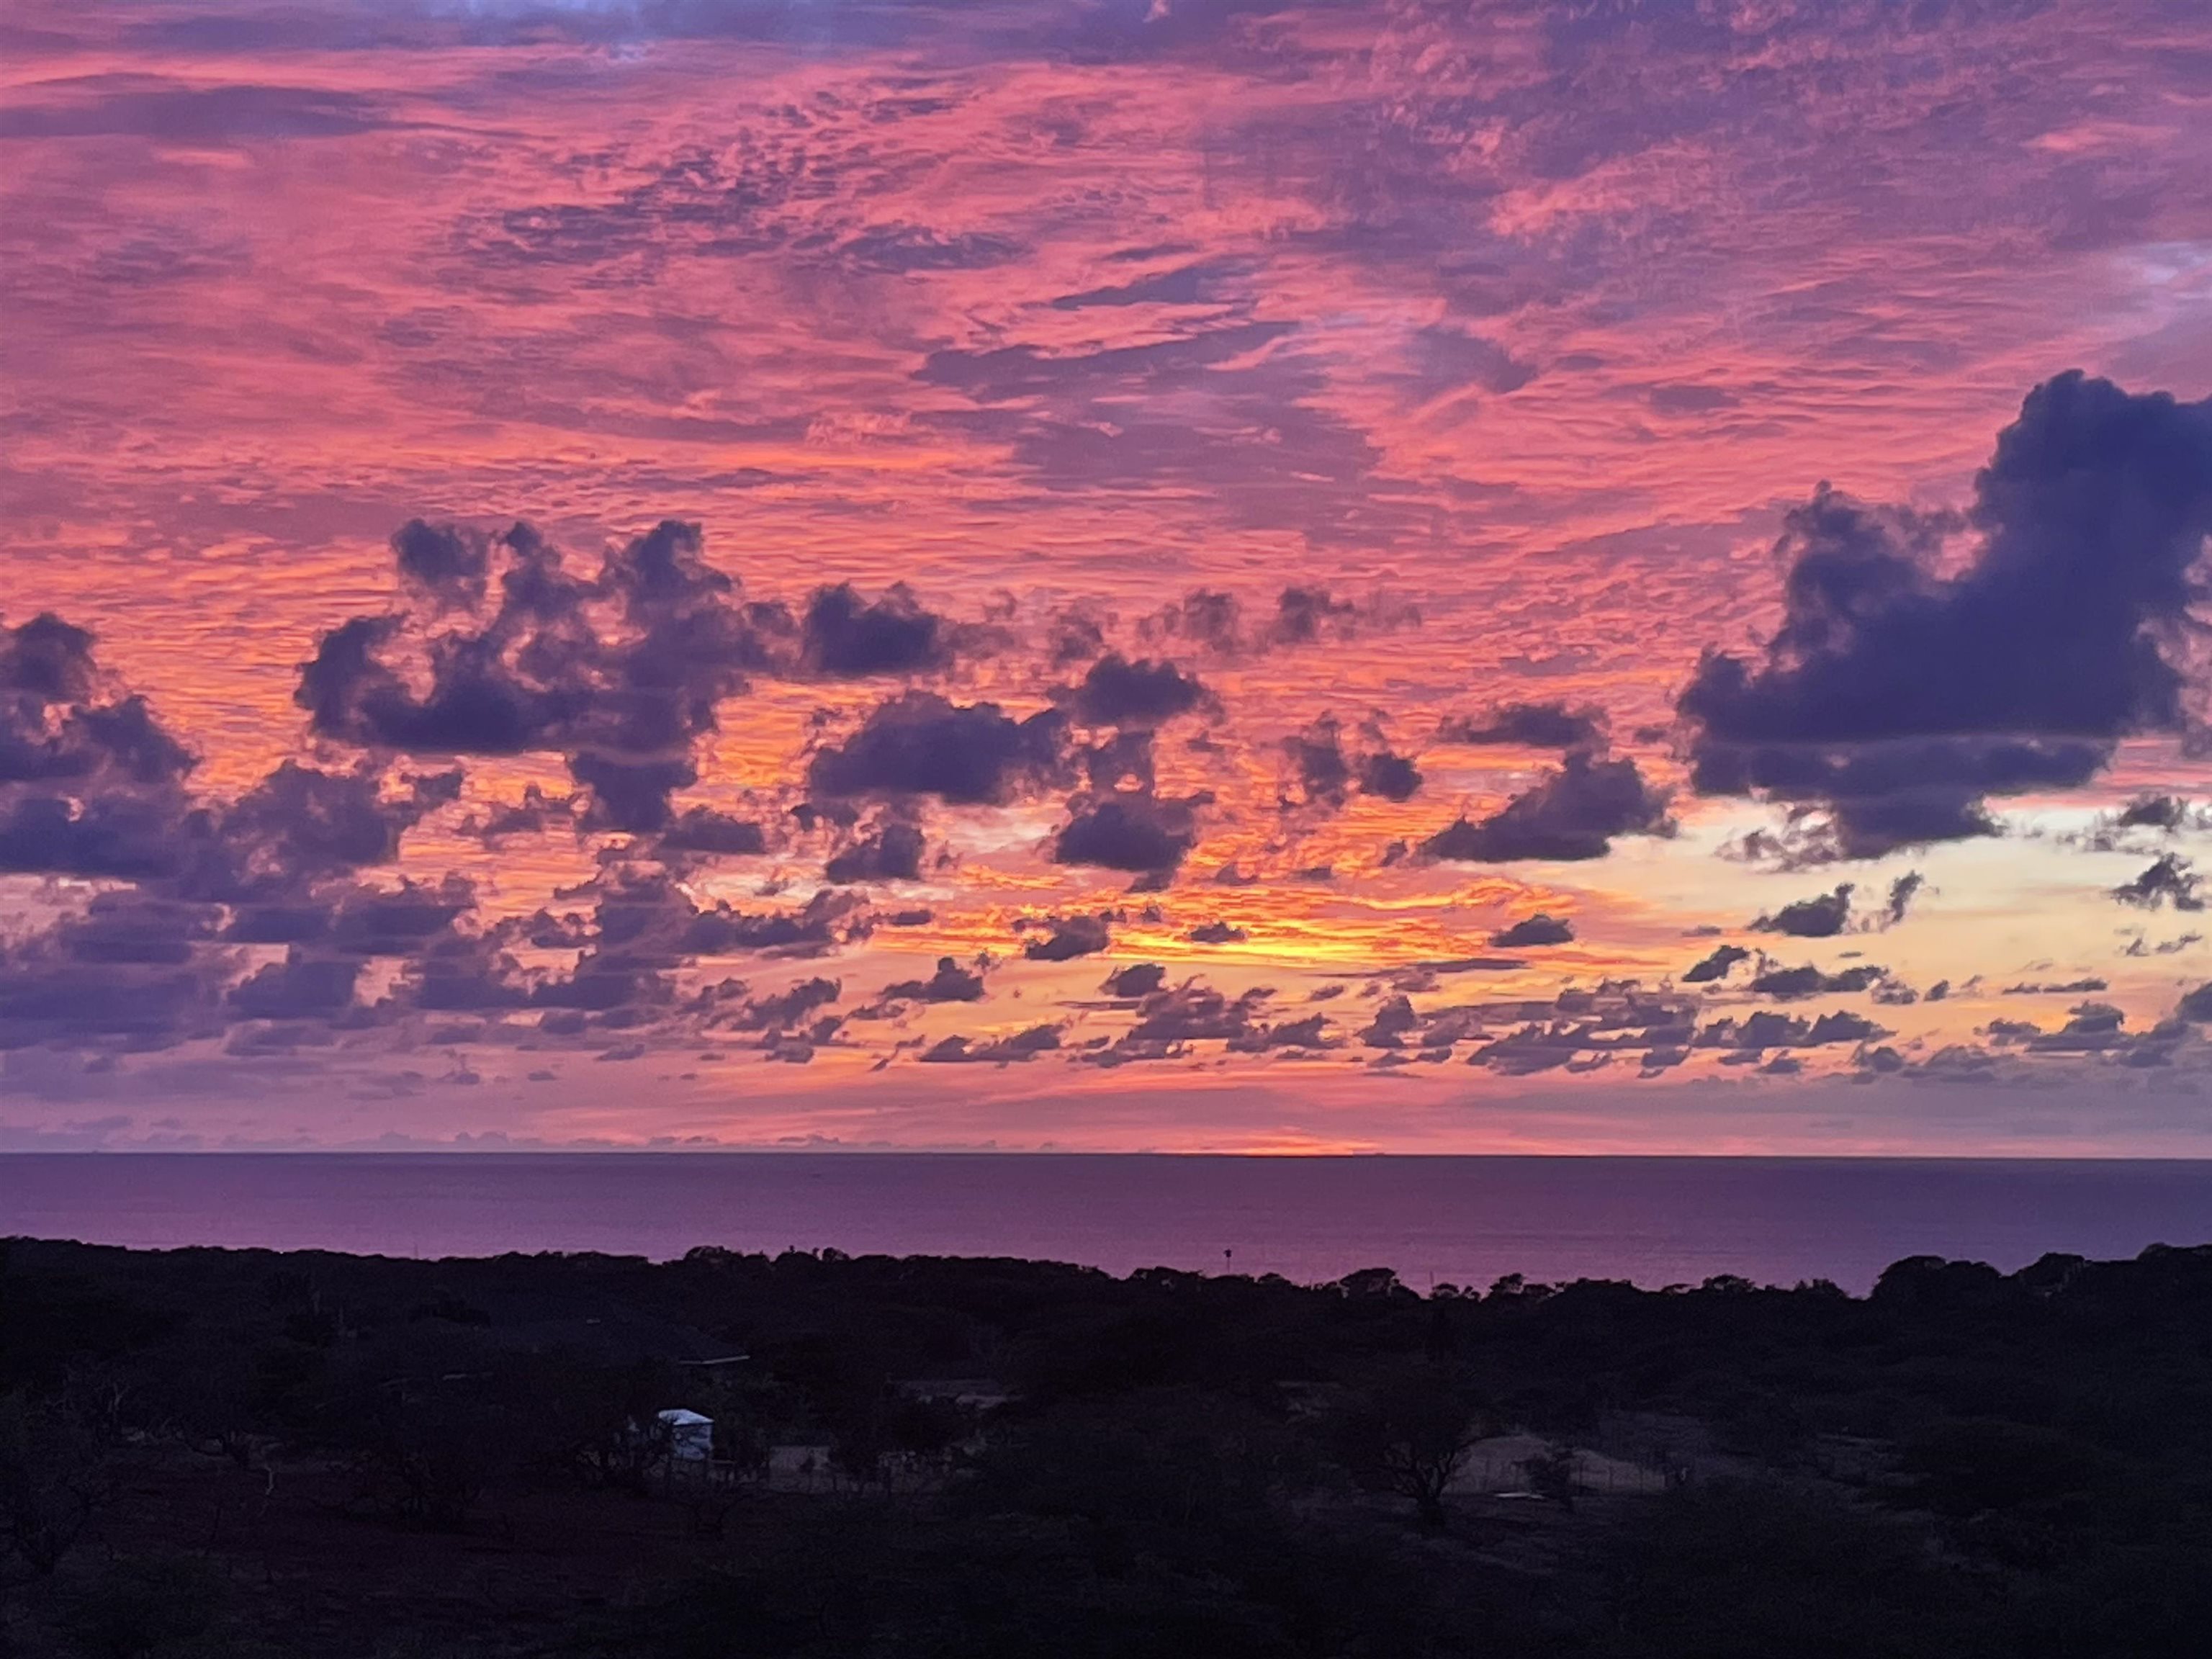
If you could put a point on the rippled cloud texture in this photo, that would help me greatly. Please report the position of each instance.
(1423, 573)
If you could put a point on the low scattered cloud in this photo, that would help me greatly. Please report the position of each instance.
(2168, 880)
(1716, 966)
(1134, 831)
(920, 743)
(1116, 691)
(1532, 931)
(890, 852)
(1821, 917)
(1529, 726)
(1788, 984)
(951, 982)
(1067, 938)
(1570, 814)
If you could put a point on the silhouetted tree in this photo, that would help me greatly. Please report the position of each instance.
(1410, 1433)
(56, 1476)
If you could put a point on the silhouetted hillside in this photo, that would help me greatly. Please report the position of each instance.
(243, 1453)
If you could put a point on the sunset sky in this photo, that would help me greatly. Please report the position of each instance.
(1423, 574)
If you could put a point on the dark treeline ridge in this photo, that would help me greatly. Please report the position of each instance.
(246, 1453)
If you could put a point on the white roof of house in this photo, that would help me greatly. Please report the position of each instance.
(681, 1418)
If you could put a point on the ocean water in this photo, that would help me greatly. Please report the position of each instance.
(1467, 1220)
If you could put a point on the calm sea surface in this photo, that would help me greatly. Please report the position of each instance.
(1656, 1221)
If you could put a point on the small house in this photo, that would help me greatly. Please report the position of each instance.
(690, 1437)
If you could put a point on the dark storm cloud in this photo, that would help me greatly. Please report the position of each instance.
(1578, 1029)
(2090, 1027)
(702, 830)
(1137, 832)
(1323, 772)
(1899, 698)
(643, 927)
(1118, 692)
(1142, 979)
(57, 724)
(2142, 947)
(622, 673)
(1529, 1049)
(608, 989)
(301, 987)
(2167, 880)
(131, 972)
(2093, 1031)
(1716, 966)
(1205, 616)
(1528, 725)
(459, 973)
(1023, 1045)
(1308, 1031)
(300, 824)
(1572, 813)
(1820, 917)
(500, 650)
(1788, 984)
(891, 853)
(1886, 795)
(918, 743)
(1393, 1020)
(788, 1009)
(827, 921)
(532, 815)
(1394, 777)
(649, 914)
(2162, 817)
(1068, 938)
(1304, 614)
(1216, 932)
(1319, 768)
(951, 983)
(2072, 988)
(1123, 760)
(279, 921)
(631, 795)
(377, 922)
(92, 785)
(2167, 812)
(1077, 635)
(1194, 1012)
(1765, 1030)
(1902, 892)
(121, 837)
(1531, 931)
(450, 561)
(846, 637)
(1309, 615)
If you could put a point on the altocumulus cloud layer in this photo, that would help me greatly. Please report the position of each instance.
(1106, 575)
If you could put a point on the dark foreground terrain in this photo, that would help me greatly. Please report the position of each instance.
(207, 1452)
